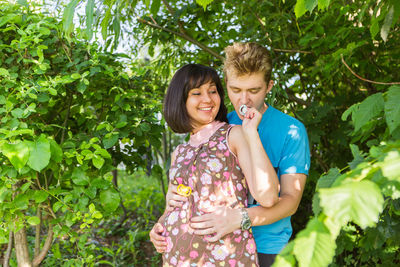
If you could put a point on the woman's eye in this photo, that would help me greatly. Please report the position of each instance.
(214, 92)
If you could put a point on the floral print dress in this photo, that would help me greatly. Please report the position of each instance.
(212, 171)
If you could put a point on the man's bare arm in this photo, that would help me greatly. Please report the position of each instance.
(292, 187)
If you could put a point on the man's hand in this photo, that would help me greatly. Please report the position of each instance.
(222, 221)
(157, 239)
(173, 199)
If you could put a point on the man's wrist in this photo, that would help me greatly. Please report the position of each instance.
(245, 223)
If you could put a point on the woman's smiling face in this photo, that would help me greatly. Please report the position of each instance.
(202, 105)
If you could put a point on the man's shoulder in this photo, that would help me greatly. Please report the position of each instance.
(283, 119)
(233, 118)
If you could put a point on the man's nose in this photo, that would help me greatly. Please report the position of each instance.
(245, 97)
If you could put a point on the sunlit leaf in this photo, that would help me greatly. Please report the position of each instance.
(360, 202)
(109, 199)
(40, 153)
(98, 161)
(319, 243)
(79, 177)
(33, 220)
(17, 153)
(89, 19)
(68, 17)
(300, 8)
(204, 3)
(387, 23)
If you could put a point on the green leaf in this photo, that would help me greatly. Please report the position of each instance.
(4, 72)
(300, 8)
(104, 24)
(68, 17)
(40, 153)
(97, 161)
(391, 166)
(360, 202)
(204, 3)
(56, 151)
(392, 108)
(17, 113)
(18, 153)
(33, 220)
(374, 29)
(285, 258)
(21, 201)
(145, 127)
(4, 193)
(40, 196)
(57, 206)
(110, 141)
(311, 4)
(314, 246)
(79, 177)
(75, 75)
(155, 6)
(322, 4)
(328, 179)
(100, 183)
(89, 19)
(109, 199)
(370, 108)
(358, 157)
(25, 186)
(3, 236)
(23, 3)
(387, 23)
(91, 192)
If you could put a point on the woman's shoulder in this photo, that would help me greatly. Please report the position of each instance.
(235, 133)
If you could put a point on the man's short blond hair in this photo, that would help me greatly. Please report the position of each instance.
(248, 58)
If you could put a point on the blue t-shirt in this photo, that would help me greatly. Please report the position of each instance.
(285, 141)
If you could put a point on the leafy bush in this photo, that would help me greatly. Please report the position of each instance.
(65, 109)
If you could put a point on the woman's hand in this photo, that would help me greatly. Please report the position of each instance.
(157, 239)
(173, 199)
(250, 123)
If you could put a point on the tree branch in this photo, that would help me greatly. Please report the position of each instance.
(7, 256)
(323, 165)
(47, 244)
(291, 51)
(37, 232)
(184, 36)
(363, 79)
(66, 119)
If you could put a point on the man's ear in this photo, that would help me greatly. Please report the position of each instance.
(270, 85)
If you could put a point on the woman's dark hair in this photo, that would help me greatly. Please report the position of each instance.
(185, 79)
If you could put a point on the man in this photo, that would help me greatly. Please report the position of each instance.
(247, 72)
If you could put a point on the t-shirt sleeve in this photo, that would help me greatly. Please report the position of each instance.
(295, 156)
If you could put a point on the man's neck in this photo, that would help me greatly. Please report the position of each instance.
(264, 108)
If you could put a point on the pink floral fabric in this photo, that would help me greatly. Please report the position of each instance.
(216, 179)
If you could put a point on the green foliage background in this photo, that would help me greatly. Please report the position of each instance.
(66, 105)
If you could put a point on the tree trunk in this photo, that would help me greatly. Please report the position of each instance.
(21, 249)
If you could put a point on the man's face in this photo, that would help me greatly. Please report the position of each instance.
(248, 89)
